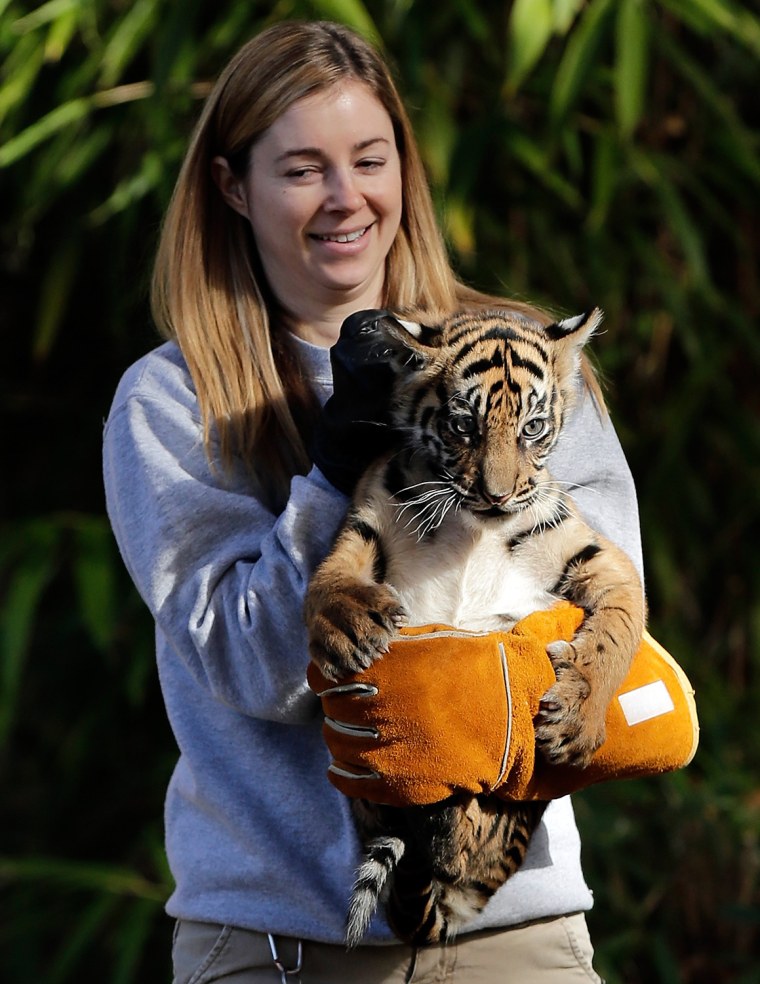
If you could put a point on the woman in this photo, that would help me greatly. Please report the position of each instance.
(301, 200)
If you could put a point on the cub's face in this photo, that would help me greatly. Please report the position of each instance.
(481, 399)
(484, 424)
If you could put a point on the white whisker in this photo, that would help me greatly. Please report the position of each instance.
(449, 503)
(571, 486)
(418, 485)
(432, 512)
(427, 508)
(432, 522)
(425, 499)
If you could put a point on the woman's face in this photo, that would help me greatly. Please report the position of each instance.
(323, 196)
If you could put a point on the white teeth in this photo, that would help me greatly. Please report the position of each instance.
(343, 238)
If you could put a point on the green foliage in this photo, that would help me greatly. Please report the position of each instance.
(582, 152)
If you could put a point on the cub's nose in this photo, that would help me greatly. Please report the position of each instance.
(494, 498)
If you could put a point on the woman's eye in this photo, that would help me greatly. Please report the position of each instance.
(301, 172)
(533, 429)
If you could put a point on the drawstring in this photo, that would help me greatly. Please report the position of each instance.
(287, 972)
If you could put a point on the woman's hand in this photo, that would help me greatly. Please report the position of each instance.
(353, 430)
(442, 712)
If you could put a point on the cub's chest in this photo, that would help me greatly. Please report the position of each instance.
(464, 575)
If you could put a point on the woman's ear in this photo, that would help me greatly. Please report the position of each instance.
(229, 185)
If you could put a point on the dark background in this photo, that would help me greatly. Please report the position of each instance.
(582, 153)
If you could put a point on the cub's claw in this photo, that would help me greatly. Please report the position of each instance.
(352, 627)
(566, 730)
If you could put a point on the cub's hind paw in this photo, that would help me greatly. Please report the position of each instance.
(565, 727)
(353, 626)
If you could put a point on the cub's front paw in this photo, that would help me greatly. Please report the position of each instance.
(568, 732)
(352, 626)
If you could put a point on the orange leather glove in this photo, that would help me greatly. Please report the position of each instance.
(448, 711)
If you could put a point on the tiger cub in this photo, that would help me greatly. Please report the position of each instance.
(463, 525)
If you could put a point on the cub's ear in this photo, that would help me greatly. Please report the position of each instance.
(578, 329)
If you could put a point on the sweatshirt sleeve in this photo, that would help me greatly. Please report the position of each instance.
(590, 462)
(223, 577)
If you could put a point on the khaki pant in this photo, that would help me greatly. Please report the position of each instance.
(550, 951)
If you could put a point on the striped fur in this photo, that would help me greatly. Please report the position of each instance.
(463, 525)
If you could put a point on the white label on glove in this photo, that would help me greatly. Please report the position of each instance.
(646, 703)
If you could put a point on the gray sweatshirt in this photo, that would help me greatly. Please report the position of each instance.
(256, 836)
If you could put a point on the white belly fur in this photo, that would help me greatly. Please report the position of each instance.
(463, 576)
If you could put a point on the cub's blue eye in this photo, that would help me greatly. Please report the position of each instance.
(463, 426)
(535, 428)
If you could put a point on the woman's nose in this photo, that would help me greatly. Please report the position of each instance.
(343, 193)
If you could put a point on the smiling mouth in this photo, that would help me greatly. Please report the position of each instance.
(342, 237)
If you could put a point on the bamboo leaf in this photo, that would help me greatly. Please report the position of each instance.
(174, 55)
(79, 158)
(459, 218)
(45, 14)
(353, 13)
(686, 230)
(80, 874)
(528, 32)
(53, 122)
(709, 16)
(632, 49)
(574, 158)
(477, 23)
(437, 134)
(132, 939)
(605, 172)
(95, 580)
(82, 938)
(19, 74)
(61, 32)
(580, 52)
(742, 143)
(131, 189)
(54, 295)
(535, 159)
(17, 615)
(564, 13)
(126, 40)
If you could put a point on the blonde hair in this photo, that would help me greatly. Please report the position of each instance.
(209, 292)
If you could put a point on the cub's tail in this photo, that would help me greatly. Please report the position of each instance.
(382, 856)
